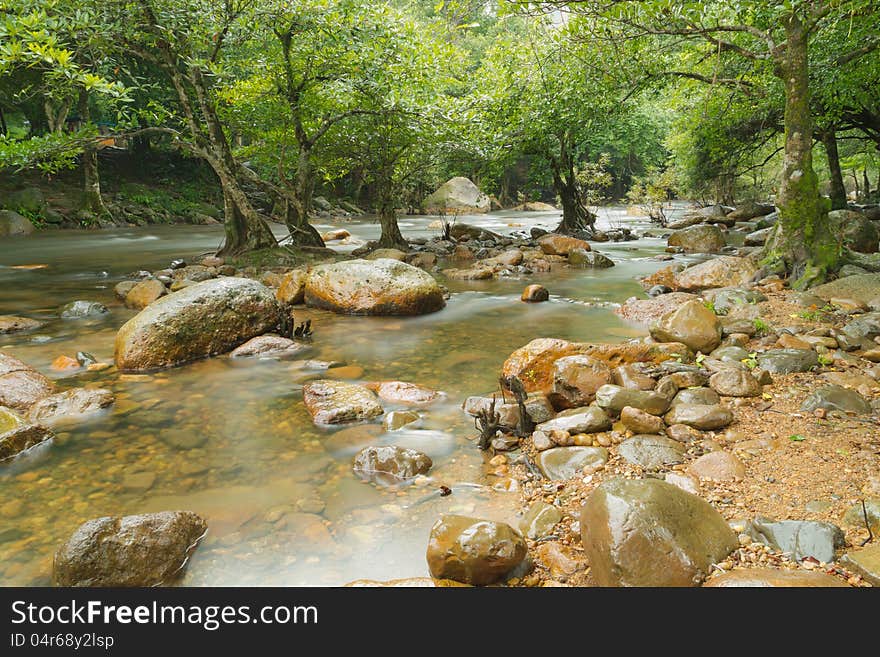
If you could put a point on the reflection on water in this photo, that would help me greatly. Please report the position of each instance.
(232, 440)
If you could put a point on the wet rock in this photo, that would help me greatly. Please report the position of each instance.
(71, 404)
(535, 294)
(144, 293)
(193, 273)
(705, 417)
(590, 419)
(65, 363)
(337, 402)
(539, 520)
(649, 311)
(456, 196)
(718, 466)
(696, 396)
(292, 289)
(576, 380)
(508, 414)
(758, 237)
(561, 245)
(683, 433)
(561, 463)
(686, 482)
(461, 231)
(399, 419)
(478, 273)
(650, 533)
(201, 320)
(401, 392)
(17, 435)
(629, 376)
(378, 287)
(589, 259)
(731, 382)
(20, 385)
(768, 577)
(651, 452)
(408, 583)
(83, 309)
(269, 346)
(698, 239)
(122, 288)
(730, 354)
(423, 260)
(390, 464)
(836, 398)
(143, 550)
(865, 562)
(613, 399)
(692, 324)
(799, 538)
(786, 361)
(639, 421)
(689, 379)
(13, 324)
(473, 551)
(724, 271)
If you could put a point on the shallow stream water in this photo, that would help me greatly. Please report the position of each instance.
(231, 440)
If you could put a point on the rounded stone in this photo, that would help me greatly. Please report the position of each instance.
(473, 551)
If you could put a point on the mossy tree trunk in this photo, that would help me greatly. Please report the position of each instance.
(391, 237)
(838, 189)
(92, 201)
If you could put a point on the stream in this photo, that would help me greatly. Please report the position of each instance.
(232, 441)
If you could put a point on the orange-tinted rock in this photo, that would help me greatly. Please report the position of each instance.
(535, 294)
(292, 289)
(65, 363)
(767, 577)
(401, 392)
(144, 293)
(562, 245)
(473, 551)
(20, 385)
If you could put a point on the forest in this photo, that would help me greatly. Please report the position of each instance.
(481, 273)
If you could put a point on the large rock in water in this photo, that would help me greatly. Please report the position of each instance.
(145, 550)
(698, 239)
(20, 385)
(337, 402)
(13, 324)
(16, 435)
(457, 195)
(692, 324)
(650, 533)
(473, 551)
(723, 271)
(200, 320)
(860, 287)
(71, 404)
(390, 464)
(373, 287)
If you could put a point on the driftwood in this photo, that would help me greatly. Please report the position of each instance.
(524, 426)
(487, 422)
(290, 330)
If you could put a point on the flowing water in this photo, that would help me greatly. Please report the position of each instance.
(232, 440)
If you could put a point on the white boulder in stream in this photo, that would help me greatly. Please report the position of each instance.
(338, 402)
(200, 320)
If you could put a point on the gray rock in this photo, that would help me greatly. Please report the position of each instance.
(614, 398)
(539, 520)
(730, 354)
(566, 462)
(590, 419)
(696, 396)
(735, 383)
(71, 404)
(12, 223)
(862, 287)
(651, 452)
(269, 346)
(786, 361)
(800, 538)
(705, 417)
(728, 298)
(82, 309)
(698, 239)
(589, 259)
(865, 327)
(338, 402)
(837, 398)
(390, 464)
(651, 533)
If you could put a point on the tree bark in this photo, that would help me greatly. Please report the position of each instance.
(296, 217)
(802, 242)
(92, 200)
(391, 237)
(838, 189)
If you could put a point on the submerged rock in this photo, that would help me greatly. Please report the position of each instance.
(143, 550)
(337, 402)
(200, 320)
(82, 309)
(71, 404)
(20, 385)
(650, 533)
(390, 464)
(17, 435)
(473, 551)
(377, 287)
(566, 462)
(269, 345)
(14, 324)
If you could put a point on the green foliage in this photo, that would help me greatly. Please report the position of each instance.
(761, 327)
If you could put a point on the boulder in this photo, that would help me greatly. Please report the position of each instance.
(591, 419)
(13, 324)
(837, 398)
(614, 399)
(705, 417)
(786, 361)
(860, 287)
(698, 239)
(859, 233)
(863, 327)
(728, 299)
(535, 294)
(12, 224)
(292, 289)
(638, 421)
(723, 271)
(143, 550)
(718, 466)
(337, 402)
(71, 404)
(589, 259)
(731, 382)
(768, 577)
(463, 232)
(473, 551)
(200, 320)
(632, 377)
(336, 234)
(83, 309)
(696, 396)
(390, 464)
(692, 324)
(17, 435)
(377, 287)
(649, 311)
(399, 419)
(751, 210)
(576, 380)
(401, 392)
(758, 237)
(144, 293)
(651, 452)
(269, 346)
(20, 385)
(455, 196)
(387, 254)
(651, 533)
(562, 463)
(561, 245)
(865, 562)
(799, 538)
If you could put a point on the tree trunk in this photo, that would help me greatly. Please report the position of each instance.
(802, 242)
(92, 200)
(244, 227)
(391, 237)
(838, 190)
(577, 220)
(302, 233)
